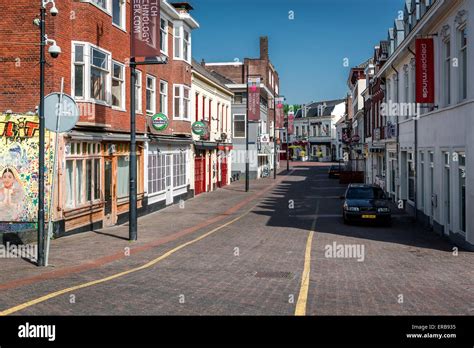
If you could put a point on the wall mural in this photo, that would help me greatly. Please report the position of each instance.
(19, 138)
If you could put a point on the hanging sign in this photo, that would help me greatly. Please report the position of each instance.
(159, 122)
(253, 92)
(291, 123)
(199, 128)
(145, 27)
(424, 71)
(279, 112)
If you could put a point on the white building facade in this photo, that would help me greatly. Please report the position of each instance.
(435, 159)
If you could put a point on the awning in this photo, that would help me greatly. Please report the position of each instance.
(167, 139)
(103, 136)
(205, 145)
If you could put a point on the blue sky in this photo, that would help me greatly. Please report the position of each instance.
(308, 51)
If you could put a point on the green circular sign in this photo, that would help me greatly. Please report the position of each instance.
(159, 122)
(199, 128)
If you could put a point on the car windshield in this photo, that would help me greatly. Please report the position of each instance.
(365, 193)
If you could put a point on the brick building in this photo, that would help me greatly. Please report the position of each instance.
(93, 173)
(234, 76)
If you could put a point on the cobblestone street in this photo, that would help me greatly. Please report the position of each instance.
(245, 254)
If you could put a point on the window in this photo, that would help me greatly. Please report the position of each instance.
(138, 91)
(239, 126)
(83, 174)
(156, 173)
(462, 33)
(150, 94)
(164, 36)
(447, 72)
(79, 70)
(101, 3)
(204, 117)
(182, 43)
(238, 98)
(118, 85)
(181, 102)
(187, 46)
(99, 72)
(118, 13)
(123, 174)
(179, 169)
(177, 42)
(164, 97)
(411, 177)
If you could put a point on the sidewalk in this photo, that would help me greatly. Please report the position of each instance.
(89, 250)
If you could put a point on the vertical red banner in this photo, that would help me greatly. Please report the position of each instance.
(279, 112)
(253, 92)
(145, 24)
(291, 123)
(425, 71)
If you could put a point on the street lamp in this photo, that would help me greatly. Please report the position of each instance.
(54, 51)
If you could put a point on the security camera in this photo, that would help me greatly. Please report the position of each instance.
(54, 50)
(54, 11)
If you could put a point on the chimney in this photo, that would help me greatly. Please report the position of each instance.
(264, 47)
(182, 7)
(203, 62)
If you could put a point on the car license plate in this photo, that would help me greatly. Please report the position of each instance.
(368, 216)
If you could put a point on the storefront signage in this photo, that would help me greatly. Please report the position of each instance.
(145, 29)
(253, 88)
(199, 128)
(424, 71)
(159, 122)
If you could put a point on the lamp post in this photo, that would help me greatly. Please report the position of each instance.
(41, 189)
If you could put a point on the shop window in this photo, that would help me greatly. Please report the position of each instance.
(83, 174)
(179, 169)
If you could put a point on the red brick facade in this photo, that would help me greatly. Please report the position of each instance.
(76, 21)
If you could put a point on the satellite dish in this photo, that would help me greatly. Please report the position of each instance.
(59, 116)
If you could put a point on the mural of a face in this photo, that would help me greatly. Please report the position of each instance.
(8, 179)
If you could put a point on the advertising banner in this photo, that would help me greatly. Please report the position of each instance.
(424, 71)
(291, 123)
(145, 40)
(279, 114)
(253, 90)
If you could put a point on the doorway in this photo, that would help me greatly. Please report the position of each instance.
(110, 207)
(168, 181)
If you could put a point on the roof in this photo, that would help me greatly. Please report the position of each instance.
(312, 109)
(210, 75)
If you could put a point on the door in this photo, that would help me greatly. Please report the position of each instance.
(110, 208)
(168, 181)
(199, 175)
(447, 201)
(224, 172)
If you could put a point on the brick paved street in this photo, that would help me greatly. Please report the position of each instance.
(250, 260)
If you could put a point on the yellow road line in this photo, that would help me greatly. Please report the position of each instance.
(118, 275)
(303, 295)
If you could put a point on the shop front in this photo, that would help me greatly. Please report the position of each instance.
(95, 178)
(168, 163)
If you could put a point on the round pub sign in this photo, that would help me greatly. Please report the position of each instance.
(199, 128)
(159, 122)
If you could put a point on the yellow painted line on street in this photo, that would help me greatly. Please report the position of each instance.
(118, 275)
(303, 295)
